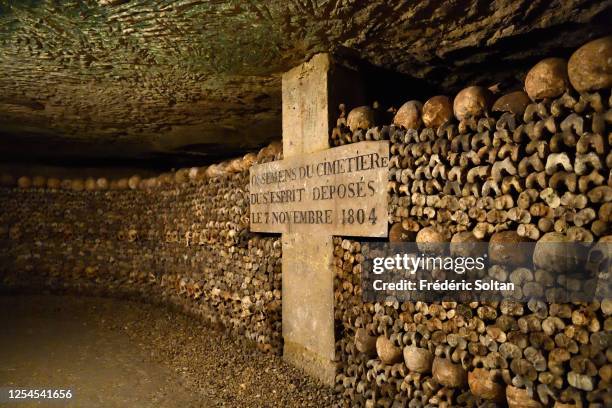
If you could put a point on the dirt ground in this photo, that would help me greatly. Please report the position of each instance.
(117, 353)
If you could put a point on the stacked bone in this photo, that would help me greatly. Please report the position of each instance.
(475, 354)
(533, 165)
(165, 180)
(184, 243)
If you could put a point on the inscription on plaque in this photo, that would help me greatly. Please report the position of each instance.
(340, 191)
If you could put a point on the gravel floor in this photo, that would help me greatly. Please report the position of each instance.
(117, 353)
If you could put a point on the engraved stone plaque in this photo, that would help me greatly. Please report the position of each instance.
(339, 191)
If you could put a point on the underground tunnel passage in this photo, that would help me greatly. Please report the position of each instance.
(309, 204)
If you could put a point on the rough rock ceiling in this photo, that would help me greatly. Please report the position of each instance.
(170, 80)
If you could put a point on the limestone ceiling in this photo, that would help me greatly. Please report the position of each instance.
(195, 79)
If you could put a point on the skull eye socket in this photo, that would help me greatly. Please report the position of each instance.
(596, 256)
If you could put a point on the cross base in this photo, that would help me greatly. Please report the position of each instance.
(308, 303)
(310, 362)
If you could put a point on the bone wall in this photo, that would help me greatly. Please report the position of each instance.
(531, 168)
(181, 238)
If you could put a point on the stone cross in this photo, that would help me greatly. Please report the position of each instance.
(312, 194)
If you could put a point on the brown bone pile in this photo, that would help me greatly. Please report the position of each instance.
(530, 165)
(180, 238)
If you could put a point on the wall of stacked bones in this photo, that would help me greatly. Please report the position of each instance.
(181, 238)
(528, 165)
